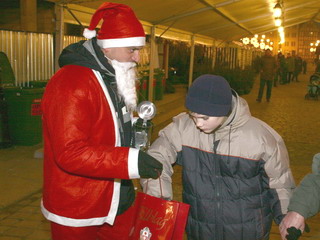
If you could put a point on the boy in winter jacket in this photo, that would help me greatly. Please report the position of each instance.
(305, 201)
(236, 173)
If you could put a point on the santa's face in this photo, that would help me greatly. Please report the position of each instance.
(123, 54)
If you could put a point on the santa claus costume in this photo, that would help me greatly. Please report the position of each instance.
(88, 161)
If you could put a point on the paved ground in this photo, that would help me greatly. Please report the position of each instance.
(295, 119)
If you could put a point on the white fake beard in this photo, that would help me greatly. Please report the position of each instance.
(126, 78)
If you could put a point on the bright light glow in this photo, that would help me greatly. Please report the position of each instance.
(262, 45)
(277, 13)
(246, 40)
(268, 40)
(311, 44)
(280, 29)
(253, 41)
(263, 36)
(256, 35)
(277, 10)
(277, 22)
(282, 37)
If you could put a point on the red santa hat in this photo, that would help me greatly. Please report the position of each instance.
(120, 27)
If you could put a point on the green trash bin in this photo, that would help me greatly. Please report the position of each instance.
(24, 115)
(4, 128)
(38, 84)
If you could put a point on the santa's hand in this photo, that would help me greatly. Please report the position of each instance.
(292, 219)
(148, 166)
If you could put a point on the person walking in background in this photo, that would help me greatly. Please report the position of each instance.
(290, 64)
(297, 68)
(305, 201)
(283, 68)
(317, 63)
(281, 74)
(87, 109)
(236, 173)
(304, 66)
(268, 68)
(277, 76)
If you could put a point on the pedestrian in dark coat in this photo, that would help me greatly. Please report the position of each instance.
(268, 68)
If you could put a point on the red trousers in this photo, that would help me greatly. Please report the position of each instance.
(118, 231)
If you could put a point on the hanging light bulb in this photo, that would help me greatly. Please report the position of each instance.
(277, 10)
(278, 22)
(246, 40)
(280, 29)
(253, 40)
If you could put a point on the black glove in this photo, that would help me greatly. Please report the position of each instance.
(294, 233)
(148, 166)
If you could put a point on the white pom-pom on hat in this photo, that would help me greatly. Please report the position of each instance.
(87, 33)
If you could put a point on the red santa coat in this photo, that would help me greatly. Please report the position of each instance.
(83, 164)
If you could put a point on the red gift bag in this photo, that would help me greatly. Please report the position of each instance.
(158, 219)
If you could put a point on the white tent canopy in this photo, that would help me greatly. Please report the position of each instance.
(196, 21)
(206, 19)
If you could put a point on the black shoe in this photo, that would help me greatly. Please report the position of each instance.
(258, 100)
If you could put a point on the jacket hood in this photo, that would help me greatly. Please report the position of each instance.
(87, 54)
(239, 115)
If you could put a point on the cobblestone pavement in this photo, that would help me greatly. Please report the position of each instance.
(293, 117)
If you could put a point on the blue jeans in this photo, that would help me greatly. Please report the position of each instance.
(263, 82)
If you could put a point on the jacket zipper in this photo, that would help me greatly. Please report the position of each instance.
(219, 227)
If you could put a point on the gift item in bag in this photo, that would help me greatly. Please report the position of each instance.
(159, 219)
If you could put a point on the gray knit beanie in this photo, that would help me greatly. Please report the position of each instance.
(209, 95)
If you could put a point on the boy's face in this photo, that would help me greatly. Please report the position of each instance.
(207, 124)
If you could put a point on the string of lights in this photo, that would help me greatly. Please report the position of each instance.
(263, 43)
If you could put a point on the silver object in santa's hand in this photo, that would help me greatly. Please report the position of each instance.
(143, 126)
